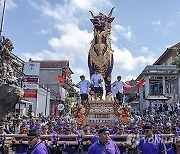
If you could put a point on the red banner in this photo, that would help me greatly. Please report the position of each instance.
(141, 83)
(61, 79)
(67, 75)
(126, 88)
(30, 93)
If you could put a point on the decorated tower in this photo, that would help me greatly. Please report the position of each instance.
(95, 111)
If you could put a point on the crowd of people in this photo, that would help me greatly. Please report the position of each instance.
(148, 133)
(142, 135)
(102, 138)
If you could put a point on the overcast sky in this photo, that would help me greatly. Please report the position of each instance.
(61, 30)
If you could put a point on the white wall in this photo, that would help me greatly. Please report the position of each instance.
(43, 102)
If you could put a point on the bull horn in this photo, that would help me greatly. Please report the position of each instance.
(110, 13)
(91, 14)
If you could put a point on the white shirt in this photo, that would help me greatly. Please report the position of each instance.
(95, 78)
(84, 85)
(113, 90)
(119, 86)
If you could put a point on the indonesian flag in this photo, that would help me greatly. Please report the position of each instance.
(141, 83)
(67, 75)
(60, 78)
(127, 87)
(127, 82)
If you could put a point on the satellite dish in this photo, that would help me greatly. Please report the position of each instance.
(60, 107)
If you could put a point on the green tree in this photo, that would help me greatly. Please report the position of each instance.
(68, 103)
(73, 93)
(132, 97)
(177, 58)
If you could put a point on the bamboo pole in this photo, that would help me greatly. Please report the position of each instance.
(83, 136)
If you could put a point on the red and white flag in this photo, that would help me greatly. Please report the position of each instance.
(127, 87)
(141, 83)
(67, 75)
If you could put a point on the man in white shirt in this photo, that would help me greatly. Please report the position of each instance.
(113, 90)
(96, 81)
(119, 88)
(84, 86)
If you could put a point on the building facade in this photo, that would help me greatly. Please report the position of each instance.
(162, 82)
(49, 74)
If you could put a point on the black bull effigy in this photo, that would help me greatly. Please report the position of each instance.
(101, 54)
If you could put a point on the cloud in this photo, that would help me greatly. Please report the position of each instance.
(128, 35)
(36, 56)
(9, 4)
(92, 4)
(69, 46)
(126, 32)
(79, 71)
(156, 23)
(170, 24)
(124, 59)
(130, 77)
(70, 10)
(114, 38)
(144, 49)
(43, 32)
(73, 42)
(118, 27)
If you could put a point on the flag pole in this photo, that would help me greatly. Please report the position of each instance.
(2, 18)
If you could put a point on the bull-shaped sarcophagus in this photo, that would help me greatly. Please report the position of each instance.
(101, 54)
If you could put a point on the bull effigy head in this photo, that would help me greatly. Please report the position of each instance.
(101, 20)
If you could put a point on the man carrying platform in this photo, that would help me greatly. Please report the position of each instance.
(35, 144)
(150, 144)
(104, 144)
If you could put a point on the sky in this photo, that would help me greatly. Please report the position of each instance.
(61, 30)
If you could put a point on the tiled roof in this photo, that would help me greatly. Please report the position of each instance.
(176, 45)
(168, 50)
(54, 63)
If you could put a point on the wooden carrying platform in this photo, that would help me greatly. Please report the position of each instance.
(101, 112)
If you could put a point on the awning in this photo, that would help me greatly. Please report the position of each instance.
(25, 101)
(160, 97)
